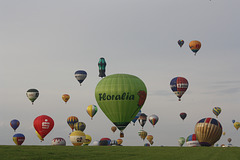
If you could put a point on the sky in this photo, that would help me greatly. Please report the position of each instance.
(43, 43)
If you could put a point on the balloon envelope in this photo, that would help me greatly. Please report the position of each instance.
(80, 75)
(71, 121)
(92, 110)
(18, 138)
(136, 117)
(65, 97)
(180, 42)
(120, 96)
(32, 94)
(153, 119)
(88, 139)
(102, 67)
(181, 141)
(80, 126)
(14, 124)
(119, 141)
(208, 131)
(77, 138)
(192, 141)
(113, 128)
(236, 125)
(179, 86)
(195, 46)
(142, 119)
(58, 141)
(183, 115)
(43, 125)
(216, 111)
(229, 140)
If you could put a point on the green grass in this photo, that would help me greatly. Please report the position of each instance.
(118, 152)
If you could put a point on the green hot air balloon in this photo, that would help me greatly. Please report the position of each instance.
(121, 96)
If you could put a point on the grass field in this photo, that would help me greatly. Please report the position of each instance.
(118, 152)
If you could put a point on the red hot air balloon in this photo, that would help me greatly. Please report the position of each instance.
(43, 125)
(179, 86)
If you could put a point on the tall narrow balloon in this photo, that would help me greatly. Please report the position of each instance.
(120, 96)
(179, 86)
(32, 94)
(102, 67)
(14, 124)
(80, 75)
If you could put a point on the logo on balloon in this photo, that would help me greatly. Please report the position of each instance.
(45, 125)
(124, 96)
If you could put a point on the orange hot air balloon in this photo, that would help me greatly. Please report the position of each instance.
(65, 97)
(195, 46)
(119, 141)
(113, 128)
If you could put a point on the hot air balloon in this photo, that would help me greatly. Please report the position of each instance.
(195, 46)
(208, 131)
(79, 126)
(95, 143)
(217, 111)
(192, 141)
(32, 94)
(113, 128)
(142, 134)
(43, 125)
(153, 119)
(180, 42)
(38, 135)
(150, 138)
(229, 140)
(80, 75)
(181, 141)
(142, 119)
(102, 67)
(65, 97)
(183, 115)
(136, 117)
(236, 125)
(119, 141)
(71, 121)
(120, 96)
(105, 142)
(14, 124)
(92, 110)
(113, 143)
(224, 133)
(233, 121)
(18, 138)
(88, 139)
(179, 86)
(147, 145)
(77, 138)
(58, 141)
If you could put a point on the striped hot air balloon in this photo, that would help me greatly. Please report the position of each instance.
(80, 126)
(179, 85)
(71, 121)
(192, 141)
(80, 75)
(153, 119)
(92, 110)
(208, 131)
(217, 111)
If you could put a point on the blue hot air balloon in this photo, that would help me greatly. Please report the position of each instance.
(80, 75)
(136, 117)
(233, 121)
(14, 124)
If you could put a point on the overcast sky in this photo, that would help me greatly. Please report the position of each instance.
(42, 44)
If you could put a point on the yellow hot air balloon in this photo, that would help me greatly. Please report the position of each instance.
(236, 125)
(149, 138)
(92, 110)
(88, 139)
(38, 135)
(142, 134)
(224, 133)
(119, 141)
(208, 131)
(77, 138)
(65, 97)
